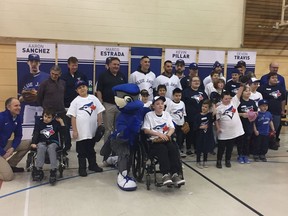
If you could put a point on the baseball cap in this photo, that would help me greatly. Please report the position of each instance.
(108, 60)
(235, 71)
(80, 83)
(193, 66)
(144, 92)
(216, 64)
(156, 98)
(254, 79)
(240, 64)
(33, 57)
(263, 101)
(180, 62)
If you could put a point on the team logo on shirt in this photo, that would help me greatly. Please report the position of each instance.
(89, 108)
(179, 112)
(197, 97)
(275, 94)
(161, 128)
(246, 109)
(205, 123)
(229, 112)
(48, 132)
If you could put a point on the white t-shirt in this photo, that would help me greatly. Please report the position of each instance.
(257, 96)
(229, 120)
(209, 88)
(170, 83)
(159, 124)
(177, 112)
(209, 80)
(148, 104)
(85, 111)
(144, 81)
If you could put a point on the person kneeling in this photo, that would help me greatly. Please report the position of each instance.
(159, 126)
(46, 138)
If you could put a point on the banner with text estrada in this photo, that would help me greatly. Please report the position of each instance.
(188, 56)
(104, 52)
(34, 61)
(249, 57)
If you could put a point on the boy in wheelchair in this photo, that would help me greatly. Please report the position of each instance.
(45, 138)
(159, 127)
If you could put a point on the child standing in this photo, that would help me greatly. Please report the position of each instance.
(86, 114)
(243, 143)
(203, 126)
(262, 126)
(161, 91)
(145, 98)
(159, 126)
(255, 95)
(176, 108)
(45, 138)
(228, 125)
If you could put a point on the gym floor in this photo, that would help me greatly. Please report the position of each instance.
(258, 188)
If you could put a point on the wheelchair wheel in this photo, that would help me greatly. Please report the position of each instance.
(138, 162)
(66, 162)
(29, 161)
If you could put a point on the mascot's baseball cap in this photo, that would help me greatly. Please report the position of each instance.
(80, 83)
(144, 92)
(156, 98)
(180, 62)
(33, 57)
(193, 66)
(263, 101)
(240, 64)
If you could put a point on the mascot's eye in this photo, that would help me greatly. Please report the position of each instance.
(128, 99)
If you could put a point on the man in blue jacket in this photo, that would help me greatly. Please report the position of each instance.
(10, 122)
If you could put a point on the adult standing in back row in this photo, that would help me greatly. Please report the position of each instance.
(144, 77)
(106, 82)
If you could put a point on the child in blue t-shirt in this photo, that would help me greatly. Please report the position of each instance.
(262, 127)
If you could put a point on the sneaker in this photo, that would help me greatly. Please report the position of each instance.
(177, 180)
(199, 165)
(246, 159)
(256, 158)
(263, 158)
(52, 178)
(125, 182)
(240, 159)
(190, 153)
(218, 164)
(182, 154)
(228, 164)
(112, 161)
(17, 169)
(95, 168)
(212, 152)
(166, 180)
(205, 165)
(37, 174)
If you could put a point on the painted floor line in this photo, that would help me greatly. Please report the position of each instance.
(224, 190)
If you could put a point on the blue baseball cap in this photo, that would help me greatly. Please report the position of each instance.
(263, 101)
(240, 64)
(33, 57)
(216, 64)
(80, 83)
(193, 66)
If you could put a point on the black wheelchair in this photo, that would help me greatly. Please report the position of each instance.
(146, 164)
(63, 160)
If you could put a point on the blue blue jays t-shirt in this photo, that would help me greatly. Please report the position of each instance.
(262, 123)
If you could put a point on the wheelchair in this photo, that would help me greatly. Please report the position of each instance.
(63, 160)
(146, 164)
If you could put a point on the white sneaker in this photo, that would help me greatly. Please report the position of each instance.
(177, 180)
(111, 161)
(125, 182)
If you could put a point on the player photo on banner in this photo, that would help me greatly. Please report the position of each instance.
(85, 56)
(244, 61)
(207, 59)
(188, 56)
(103, 54)
(34, 61)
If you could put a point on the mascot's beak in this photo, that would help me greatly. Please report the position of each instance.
(120, 102)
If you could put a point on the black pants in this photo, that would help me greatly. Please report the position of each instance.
(85, 149)
(261, 145)
(190, 138)
(205, 156)
(179, 136)
(168, 157)
(243, 144)
(228, 145)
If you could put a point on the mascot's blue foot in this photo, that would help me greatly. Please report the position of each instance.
(125, 182)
